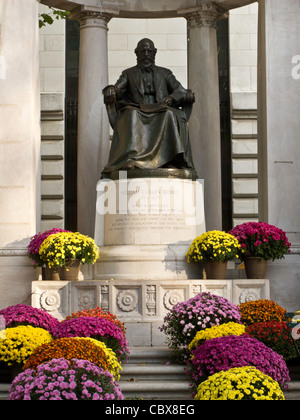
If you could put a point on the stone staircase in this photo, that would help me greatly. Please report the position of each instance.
(150, 374)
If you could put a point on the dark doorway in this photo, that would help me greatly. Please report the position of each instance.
(225, 115)
(71, 117)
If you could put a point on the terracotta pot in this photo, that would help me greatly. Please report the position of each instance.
(51, 274)
(255, 267)
(215, 270)
(71, 271)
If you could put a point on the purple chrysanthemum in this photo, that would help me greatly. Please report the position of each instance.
(27, 315)
(99, 328)
(61, 379)
(198, 313)
(224, 353)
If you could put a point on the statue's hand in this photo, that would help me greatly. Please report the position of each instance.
(110, 96)
(168, 101)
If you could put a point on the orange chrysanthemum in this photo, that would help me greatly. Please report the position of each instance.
(263, 310)
(68, 348)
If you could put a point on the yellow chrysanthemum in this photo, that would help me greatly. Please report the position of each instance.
(231, 328)
(59, 247)
(114, 365)
(245, 383)
(20, 342)
(214, 246)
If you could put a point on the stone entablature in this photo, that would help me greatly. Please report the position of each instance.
(146, 8)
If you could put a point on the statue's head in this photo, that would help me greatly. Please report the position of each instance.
(145, 52)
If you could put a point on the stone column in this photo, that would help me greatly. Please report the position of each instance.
(93, 125)
(205, 120)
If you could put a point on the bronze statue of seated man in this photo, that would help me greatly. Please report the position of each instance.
(148, 110)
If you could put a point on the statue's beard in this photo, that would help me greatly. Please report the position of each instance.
(146, 63)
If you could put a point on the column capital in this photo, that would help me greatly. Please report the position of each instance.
(204, 15)
(89, 16)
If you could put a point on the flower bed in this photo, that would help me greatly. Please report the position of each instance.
(223, 361)
(62, 379)
(245, 383)
(224, 353)
(75, 367)
(99, 328)
(27, 315)
(263, 310)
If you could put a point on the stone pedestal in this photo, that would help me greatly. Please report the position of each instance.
(144, 227)
(148, 211)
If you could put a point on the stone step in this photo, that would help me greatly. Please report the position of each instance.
(149, 355)
(4, 390)
(158, 372)
(153, 390)
(293, 391)
(156, 390)
(150, 374)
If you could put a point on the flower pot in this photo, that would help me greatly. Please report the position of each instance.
(51, 274)
(215, 270)
(71, 271)
(255, 267)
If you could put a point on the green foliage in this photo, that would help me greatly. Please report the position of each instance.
(48, 18)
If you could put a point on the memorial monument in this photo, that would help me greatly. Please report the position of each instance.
(149, 204)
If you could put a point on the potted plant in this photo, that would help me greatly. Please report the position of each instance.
(62, 379)
(225, 353)
(33, 252)
(240, 384)
(199, 313)
(66, 251)
(83, 348)
(260, 242)
(16, 346)
(99, 328)
(214, 249)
